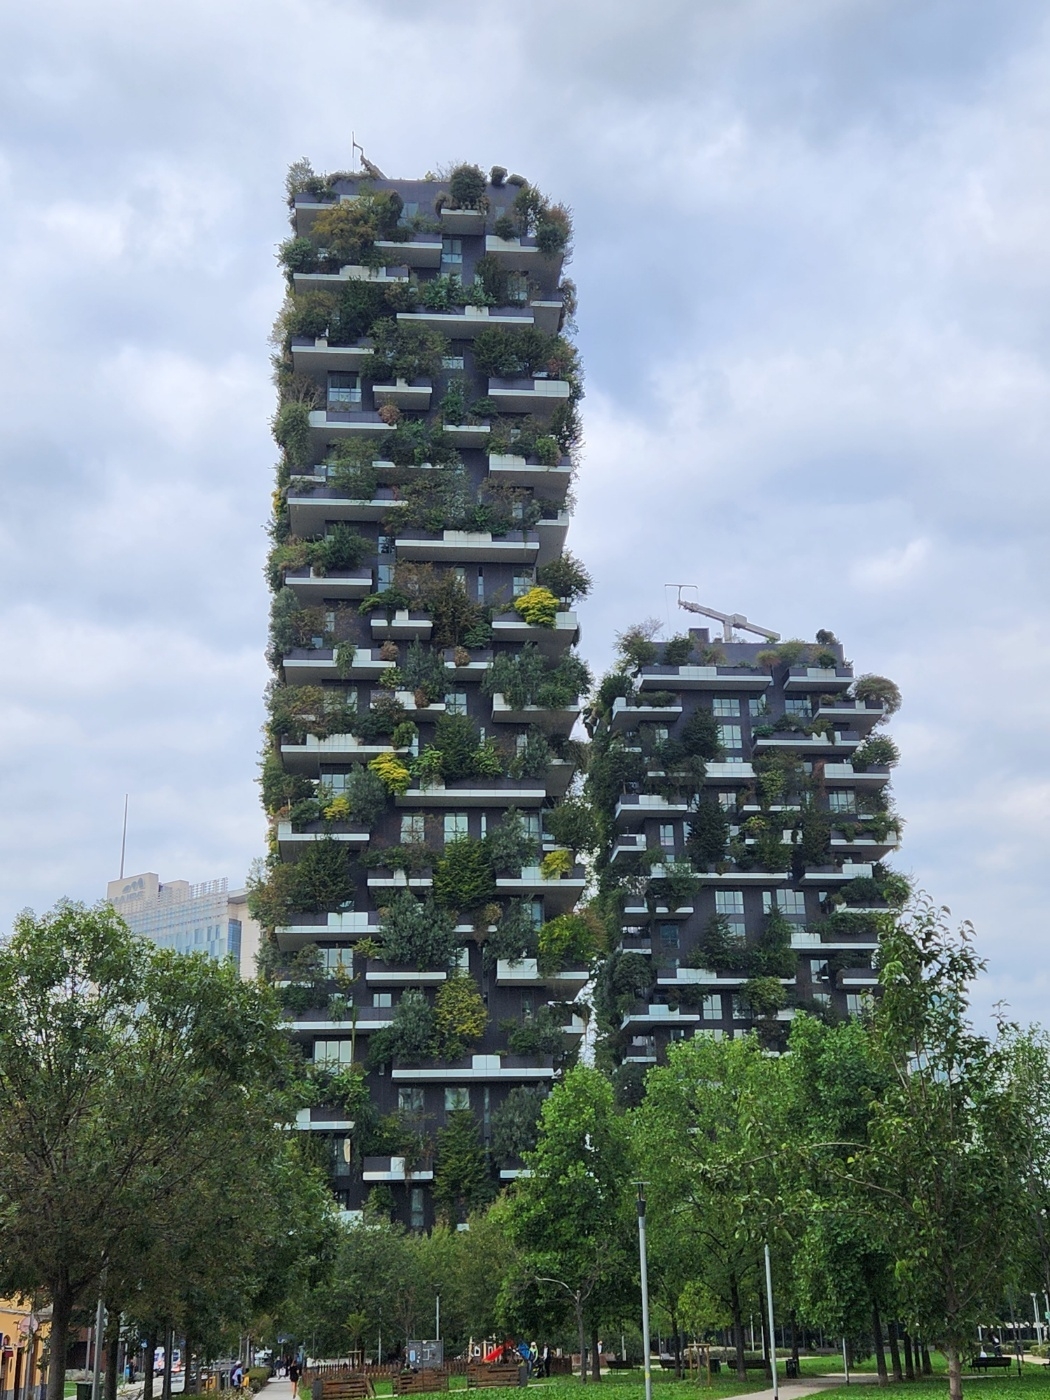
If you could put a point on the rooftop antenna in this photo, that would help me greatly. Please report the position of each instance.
(729, 621)
(124, 836)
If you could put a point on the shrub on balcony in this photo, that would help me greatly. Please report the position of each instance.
(708, 834)
(443, 293)
(297, 255)
(456, 737)
(635, 645)
(291, 431)
(678, 651)
(515, 935)
(541, 1034)
(513, 352)
(366, 796)
(466, 188)
(406, 351)
(718, 949)
(505, 227)
(279, 788)
(764, 996)
(623, 979)
(416, 933)
(509, 844)
(463, 878)
(572, 824)
(412, 1035)
(460, 1015)
(348, 231)
(878, 688)
(773, 955)
(515, 1123)
(423, 671)
(391, 772)
(676, 887)
(877, 749)
(532, 759)
(538, 606)
(568, 938)
(555, 865)
(462, 1184)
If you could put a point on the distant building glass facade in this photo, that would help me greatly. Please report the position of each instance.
(183, 917)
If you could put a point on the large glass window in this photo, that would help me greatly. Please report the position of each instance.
(344, 392)
(456, 825)
(727, 801)
(800, 707)
(791, 903)
(333, 1053)
(451, 254)
(842, 800)
(711, 1006)
(726, 706)
(756, 706)
(730, 904)
(335, 960)
(667, 835)
(382, 999)
(342, 1155)
(457, 1096)
(730, 736)
(413, 828)
(410, 1100)
(456, 702)
(417, 1217)
(522, 584)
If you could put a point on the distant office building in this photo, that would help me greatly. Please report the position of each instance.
(206, 918)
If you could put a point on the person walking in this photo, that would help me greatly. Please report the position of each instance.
(294, 1372)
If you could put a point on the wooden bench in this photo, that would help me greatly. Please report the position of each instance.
(417, 1382)
(989, 1363)
(355, 1386)
(488, 1374)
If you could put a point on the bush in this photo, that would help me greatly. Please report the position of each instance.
(539, 607)
(572, 824)
(877, 749)
(391, 772)
(406, 352)
(291, 431)
(708, 834)
(678, 651)
(366, 796)
(463, 877)
(765, 996)
(567, 938)
(467, 186)
(533, 758)
(509, 844)
(460, 1014)
(417, 934)
(541, 1034)
(886, 692)
(515, 936)
(635, 645)
(555, 865)
(718, 949)
(515, 1123)
(297, 255)
(411, 1038)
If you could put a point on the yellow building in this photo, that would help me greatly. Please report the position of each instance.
(23, 1334)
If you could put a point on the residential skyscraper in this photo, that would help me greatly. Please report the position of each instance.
(425, 677)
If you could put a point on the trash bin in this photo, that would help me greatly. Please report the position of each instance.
(84, 1389)
(523, 1376)
(790, 1370)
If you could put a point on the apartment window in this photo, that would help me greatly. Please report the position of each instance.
(409, 211)
(481, 585)
(730, 904)
(668, 943)
(536, 913)
(821, 998)
(335, 960)
(757, 706)
(532, 826)
(385, 544)
(818, 969)
(517, 287)
(384, 577)
(711, 1007)
(459, 573)
(730, 736)
(726, 706)
(457, 1097)
(858, 1003)
(417, 1217)
(741, 1010)
(451, 253)
(333, 1053)
(522, 584)
(413, 828)
(382, 999)
(526, 1006)
(344, 392)
(791, 903)
(842, 800)
(456, 702)
(456, 825)
(667, 834)
(660, 732)
(342, 1155)
(802, 707)
(410, 1100)
(452, 362)
(727, 801)
(461, 959)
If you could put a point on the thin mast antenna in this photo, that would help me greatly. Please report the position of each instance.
(124, 836)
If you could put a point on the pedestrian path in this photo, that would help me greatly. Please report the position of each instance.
(796, 1390)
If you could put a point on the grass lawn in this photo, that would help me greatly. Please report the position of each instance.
(1032, 1384)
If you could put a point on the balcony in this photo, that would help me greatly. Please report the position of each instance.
(386, 880)
(551, 534)
(659, 1014)
(552, 641)
(866, 847)
(809, 745)
(851, 978)
(466, 323)
(308, 515)
(468, 435)
(393, 1169)
(626, 716)
(734, 877)
(302, 667)
(559, 895)
(311, 587)
(862, 715)
(414, 252)
(468, 546)
(628, 843)
(818, 678)
(718, 678)
(803, 941)
(358, 1020)
(522, 255)
(331, 425)
(476, 792)
(525, 972)
(558, 777)
(834, 875)
(381, 974)
(402, 394)
(539, 397)
(635, 807)
(352, 272)
(308, 928)
(515, 1069)
(473, 670)
(315, 357)
(462, 223)
(548, 483)
(839, 774)
(403, 626)
(548, 314)
(551, 721)
(308, 756)
(723, 773)
(320, 1120)
(293, 844)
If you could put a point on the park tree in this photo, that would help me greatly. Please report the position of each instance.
(118, 1065)
(571, 1217)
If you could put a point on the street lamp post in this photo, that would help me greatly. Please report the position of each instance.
(646, 1358)
(772, 1329)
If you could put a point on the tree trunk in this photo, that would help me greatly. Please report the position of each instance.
(579, 1334)
(927, 1365)
(596, 1359)
(61, 1311)
(112, 1347)
(738, 1329)
(880, 1349)
(794, 1344)
(895, 1352)
(169, 1347)
(677, 1345)
(909, 1362)
(954, 1371)
(147, 1368)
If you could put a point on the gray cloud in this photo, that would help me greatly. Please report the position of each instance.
(811, 251)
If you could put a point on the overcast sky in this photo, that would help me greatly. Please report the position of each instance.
(813, 257)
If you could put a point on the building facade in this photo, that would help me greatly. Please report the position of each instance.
(426, 682)
(744, 793)
(206, 918)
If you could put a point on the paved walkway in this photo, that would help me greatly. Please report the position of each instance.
(795, 1390)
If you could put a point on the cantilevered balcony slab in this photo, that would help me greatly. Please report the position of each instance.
(863, 847)
(468, 546)
(414, 252)
(387, 881)
(625, 716)
(552, 721)
(467, 323)
(309, 514)
(539, 397)
(810, 745)
(381, 974)
(393, 1169)
(331, 426)
(310, 587)
(836, 875)
(721, 774)
(862, 715)
(315, 357)
(804, 941)
(636, 807)
(845, 775)
(660, 1014)
(818, 678)
(294, 844)
(559, 896)
(402, 394)
(551, 535)
(717, 678)
(855, 978)
(359, 1020)
(402, 626)
(558, 777)
(525, 972)
(548, 313)
(304, 667)
(473, 436)
(477, 792)
(462, 223)
(548, 483)
(522, 255)
(628, 844)
(343, 927)
(515, 1069)
(472, 670)
(308, 756)
(733, 877)
(552, 641)
(353, 272)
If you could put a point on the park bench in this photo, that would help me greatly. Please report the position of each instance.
(419, 1382)
(486, 1374)
(347, 1387)
(990, 1363)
